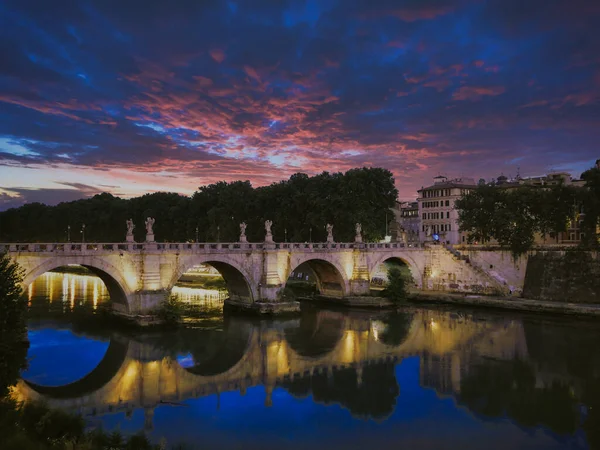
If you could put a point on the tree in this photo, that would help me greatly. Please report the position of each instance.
(13, 310)
(396, 290)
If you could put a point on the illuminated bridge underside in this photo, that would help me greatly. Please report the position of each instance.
(139, 276)
(272, 357)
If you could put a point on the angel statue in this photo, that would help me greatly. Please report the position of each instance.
(329, 229)
(149, 222)
(243, 232)
(269, 236)
(130, 227)
(268, 224)
(358, 236)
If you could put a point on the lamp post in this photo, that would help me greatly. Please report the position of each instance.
(285, 231)
(310, 234)
(218, 233)
(196, 235)
(83, 233)
(68, 233)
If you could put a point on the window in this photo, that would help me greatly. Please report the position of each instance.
(447, 214)
(424, 215)
(447, 202)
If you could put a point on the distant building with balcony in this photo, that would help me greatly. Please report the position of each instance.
(436, 205)
(406, 223)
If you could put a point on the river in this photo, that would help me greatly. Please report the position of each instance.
(422, 378)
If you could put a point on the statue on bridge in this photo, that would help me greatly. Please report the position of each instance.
(329, 229)
(243, 232)
(358, 237)
(149, 231)
(130, 227)
(269, 235)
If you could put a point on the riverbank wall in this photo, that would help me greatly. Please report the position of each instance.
(563, 276)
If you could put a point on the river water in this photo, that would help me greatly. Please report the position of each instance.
(423, 378)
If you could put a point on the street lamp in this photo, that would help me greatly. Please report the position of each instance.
(196, 235)
(83, 233)
(285, 231)
(68, 233)
(310, 234)
(218, 233)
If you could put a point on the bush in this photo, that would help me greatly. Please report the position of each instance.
(396, 290)
(171, 311)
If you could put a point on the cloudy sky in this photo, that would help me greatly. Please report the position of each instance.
(144, 95)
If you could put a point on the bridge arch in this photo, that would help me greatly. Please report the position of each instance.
(318, 333)
(238, 280)
(218, 353)
(404, 259)
(118, 288)
(102, 374)
(331, 278)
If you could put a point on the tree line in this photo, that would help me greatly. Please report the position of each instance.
(513, 217)
(299, 208)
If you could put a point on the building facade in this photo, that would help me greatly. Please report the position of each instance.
(439, 217)
(406, 224)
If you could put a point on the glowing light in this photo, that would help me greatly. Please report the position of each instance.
(95, 294)
(72, 287)
(434, 325)
(30, 293)
(377, 327)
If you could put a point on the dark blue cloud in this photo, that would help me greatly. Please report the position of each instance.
(249, 89)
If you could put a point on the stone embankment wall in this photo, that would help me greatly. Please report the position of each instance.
(500, 265)
(563, 276)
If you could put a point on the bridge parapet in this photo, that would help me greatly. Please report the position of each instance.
(195, 247)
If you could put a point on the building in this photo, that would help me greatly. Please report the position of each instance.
(439, 218)
(406, 224)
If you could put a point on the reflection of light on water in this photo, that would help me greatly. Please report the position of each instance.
(186, 361)
(377, 327)
(72, 292)
(85, 285)
(72, 289)
(95, 296)
(30, 292)
(199, 296)
(434, 325)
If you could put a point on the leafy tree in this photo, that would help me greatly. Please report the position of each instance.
(396, 290)
(299, 208)
(13, 310)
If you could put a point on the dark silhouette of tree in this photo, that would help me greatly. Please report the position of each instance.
(299, 208)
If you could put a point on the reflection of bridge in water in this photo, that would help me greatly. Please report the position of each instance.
(140, 373)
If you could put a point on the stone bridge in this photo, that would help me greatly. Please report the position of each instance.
(143, 374)
(140, 276)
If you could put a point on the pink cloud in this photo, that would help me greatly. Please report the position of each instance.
(218, 55)
(473, 93)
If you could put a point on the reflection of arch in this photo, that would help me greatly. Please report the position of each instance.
(236, 278)
(330, 276)
(112, 278)
(104, 372)
(405, 259)
(216, 353)
(318, 334)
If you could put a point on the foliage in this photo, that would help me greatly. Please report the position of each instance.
(299, 208)
(13, 311)
(35, 426)
(171, 311)
(396, 290)
(513, 217)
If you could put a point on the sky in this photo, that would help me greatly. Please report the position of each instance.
(139, 96)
